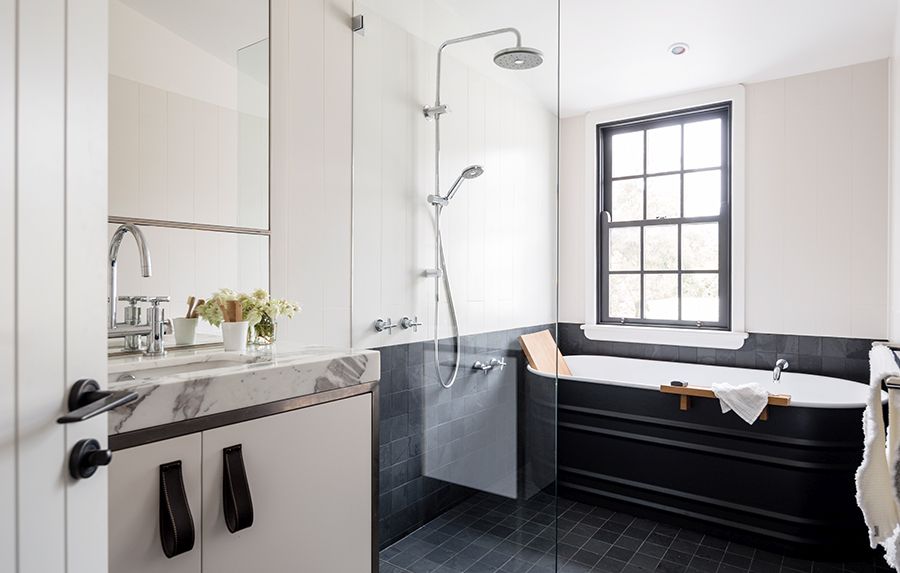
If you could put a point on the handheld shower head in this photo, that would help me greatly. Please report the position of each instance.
(470, 172)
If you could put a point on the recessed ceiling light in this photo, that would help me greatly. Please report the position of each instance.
(678, 49)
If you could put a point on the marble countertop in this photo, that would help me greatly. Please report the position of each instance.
(188, 384)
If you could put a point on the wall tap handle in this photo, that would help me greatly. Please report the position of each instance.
(414, 323)
(132, 300)
(381, 325)
(154, 301)
(498, 363)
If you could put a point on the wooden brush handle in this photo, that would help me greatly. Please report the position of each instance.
(190, 303)
(195, 314)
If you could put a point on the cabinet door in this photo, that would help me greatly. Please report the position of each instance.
(134, 544)
(310, 477)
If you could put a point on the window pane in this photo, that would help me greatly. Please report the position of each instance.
(625, 249)
(628, 154)
(703, 144)
(661, 248)
(628, 200)
(624, 296)
(664, 149)
(702, 193)
(661, 296)
(700, 247)
(663, 196)
(700, 297)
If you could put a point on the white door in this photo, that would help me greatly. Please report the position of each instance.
(53, 69)
(309, 473)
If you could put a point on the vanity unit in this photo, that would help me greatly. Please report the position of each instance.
(233, 463)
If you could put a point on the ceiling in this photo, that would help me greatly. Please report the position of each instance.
(219, 27)
(615, 51)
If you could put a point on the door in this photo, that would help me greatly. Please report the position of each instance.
(309, 474)
(52, 251)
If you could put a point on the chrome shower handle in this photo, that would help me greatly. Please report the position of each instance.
(413, 323)
(381, 325)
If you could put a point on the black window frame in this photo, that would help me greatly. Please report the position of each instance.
(604, 134)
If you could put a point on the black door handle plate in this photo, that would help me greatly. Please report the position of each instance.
(86, 400)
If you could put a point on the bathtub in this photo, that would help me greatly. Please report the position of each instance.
(785, 483)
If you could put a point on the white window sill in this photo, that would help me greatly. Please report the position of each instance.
(670, 336)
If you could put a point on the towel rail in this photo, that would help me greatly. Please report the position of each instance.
(891, 345)
(892, 382)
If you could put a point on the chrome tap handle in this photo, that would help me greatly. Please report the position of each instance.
(498, 363)
(381, 325)
(405, 323)
(159, 326)
(132, 300)
(479, 365)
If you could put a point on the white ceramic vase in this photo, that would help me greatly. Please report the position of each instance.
(234, 334)
(185, 330)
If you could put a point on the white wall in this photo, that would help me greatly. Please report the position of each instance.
(817, 205)
(894, 296)
(500, 229)
(310, 165)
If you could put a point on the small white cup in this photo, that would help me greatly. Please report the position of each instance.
(234, 334)
(185, 330)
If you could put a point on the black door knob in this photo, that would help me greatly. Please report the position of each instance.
(86, 457)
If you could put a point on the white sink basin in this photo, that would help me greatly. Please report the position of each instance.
(122, 370)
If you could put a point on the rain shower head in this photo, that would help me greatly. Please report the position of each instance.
(519, 58)
(470, 172)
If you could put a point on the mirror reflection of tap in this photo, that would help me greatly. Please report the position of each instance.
(132, 330)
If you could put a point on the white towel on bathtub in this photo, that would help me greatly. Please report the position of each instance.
(747, 400)
(876, 486)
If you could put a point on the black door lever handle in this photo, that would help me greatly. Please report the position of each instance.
(86, 400)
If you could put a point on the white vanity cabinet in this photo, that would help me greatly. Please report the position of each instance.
(309, 474)
(134, 544)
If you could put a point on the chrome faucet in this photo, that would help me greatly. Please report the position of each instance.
(114, 245)
(780, 366)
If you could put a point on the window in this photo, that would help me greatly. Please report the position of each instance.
(665, 223)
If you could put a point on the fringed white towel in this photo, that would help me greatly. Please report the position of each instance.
(748, 400)
(876, 491)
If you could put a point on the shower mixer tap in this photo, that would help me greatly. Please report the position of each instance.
(413, 323)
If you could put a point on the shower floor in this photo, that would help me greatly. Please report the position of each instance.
(487, 533)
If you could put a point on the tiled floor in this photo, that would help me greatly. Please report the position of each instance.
(491, 534)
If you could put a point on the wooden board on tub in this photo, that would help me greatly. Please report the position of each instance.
(543, 354)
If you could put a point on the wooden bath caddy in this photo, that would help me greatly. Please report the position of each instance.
(688, 392)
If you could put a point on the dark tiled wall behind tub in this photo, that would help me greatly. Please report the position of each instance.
(826, 356)
(407, 498)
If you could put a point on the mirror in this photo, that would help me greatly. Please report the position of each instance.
(189, 146)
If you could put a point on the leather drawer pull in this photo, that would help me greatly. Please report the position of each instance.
(236, 497)
(176, 525)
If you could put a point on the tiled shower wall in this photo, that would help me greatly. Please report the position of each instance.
(821, 355)
(407, 497)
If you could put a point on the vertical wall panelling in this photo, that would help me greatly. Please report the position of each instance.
(894, 293)
(86, 240)
(310, 191)
(571, 220)
(8, 536)
(40, 305)
(499, 231)
(817, 181)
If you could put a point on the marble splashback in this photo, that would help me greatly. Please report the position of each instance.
(168, 396)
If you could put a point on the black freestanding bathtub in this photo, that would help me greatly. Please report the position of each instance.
(786, 483)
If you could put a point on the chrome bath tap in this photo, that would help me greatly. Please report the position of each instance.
(780, 366)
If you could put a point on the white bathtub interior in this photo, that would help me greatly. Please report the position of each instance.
(805, 390)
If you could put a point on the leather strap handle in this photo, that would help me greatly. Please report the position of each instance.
(236, 498)
(176, 524)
